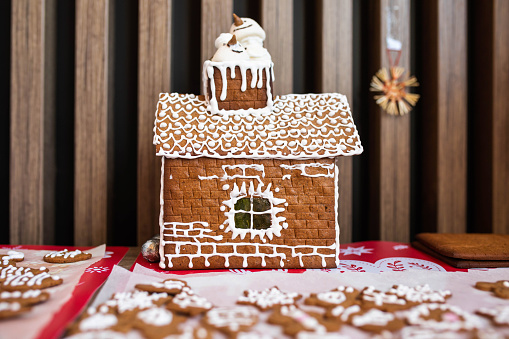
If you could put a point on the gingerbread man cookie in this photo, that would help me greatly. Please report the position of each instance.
(500, 288)
(187, 302)
(157, 322)
(443, 317)
(231, 320)
(340, 296)
(27, 298)
(268, 298)
(170, 286)
(66, 256)
(294, 320)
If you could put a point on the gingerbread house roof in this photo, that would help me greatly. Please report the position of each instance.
(301, 126)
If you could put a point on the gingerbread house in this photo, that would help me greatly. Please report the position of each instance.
(249, 179)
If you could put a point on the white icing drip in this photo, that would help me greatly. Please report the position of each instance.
(162, 261)
(286, 176)
(279, 135)
(243, 192)
(302, 168)
(336, 212)
(156, 316)
(98, 321)
(253, 66)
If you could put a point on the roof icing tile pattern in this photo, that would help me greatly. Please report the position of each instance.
(301, 126)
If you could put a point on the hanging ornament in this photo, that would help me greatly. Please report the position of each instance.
(391, 85)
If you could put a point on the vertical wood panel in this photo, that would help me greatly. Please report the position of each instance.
(490, 116)
(216, 18)
(389, 137)
(92, 121)
(32, 161)
(444, 121)
(336, 50)
(277, 21)
(153, 78)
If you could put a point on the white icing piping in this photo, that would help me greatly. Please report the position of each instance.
(162, 263)
(300, 127)
(256, 68)
(336, 211)
(236, 194)
(302, 169)
(243, 167)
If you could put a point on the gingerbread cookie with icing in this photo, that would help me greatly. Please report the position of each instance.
(170, 286)
(16, 271)
(157, 322)
(500, 288)
(30, 281)
(372, 298)
(294, 320)
(231, 320)
(98, 322)
(14, 256)
(499, 315)
(101, 334)
(372, 320)
(443, 317)
(11, 309)
(27, 298)
(193, 332)
(66, 256)
(187, 302)
(341, 296)
(268, 298)
(129, 303)
(420, 294)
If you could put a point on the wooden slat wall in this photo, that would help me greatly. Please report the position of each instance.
(389, 137)
(277, 21)
(446, 199)
(336, 65)
(444, 126)
(153, 78)
(490, 139)
(216, 18)
(92, 121)
(32, 160)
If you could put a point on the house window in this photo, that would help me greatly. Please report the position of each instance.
(249, 213)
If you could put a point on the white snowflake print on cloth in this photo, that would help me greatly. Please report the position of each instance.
(108, 254)
(98, 269)
(399, 247)
(356, 250)
(395, 264)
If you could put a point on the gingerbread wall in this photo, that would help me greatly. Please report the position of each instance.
(235, 97)
(194, 194)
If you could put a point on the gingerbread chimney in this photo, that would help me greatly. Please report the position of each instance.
(239, 77)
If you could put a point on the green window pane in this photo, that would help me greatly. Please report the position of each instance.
(261, 204)
(243, 220)
(243, 204)
(261, 221)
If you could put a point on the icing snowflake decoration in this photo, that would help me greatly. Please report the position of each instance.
(356, 250)
(98, 269)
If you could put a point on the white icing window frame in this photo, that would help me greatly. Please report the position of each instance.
(277, 222)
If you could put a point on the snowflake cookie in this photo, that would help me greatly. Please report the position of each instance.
(187, 302)
(500, 288)
(372, 320)
(66, 256)
(294, 321)
(441, 317)
(372, 298)
(157, 322)
(231, 320)
(499, 315)
(268, 298)
(420, 294)
(341, 296)
(170, 286)
(133, 302)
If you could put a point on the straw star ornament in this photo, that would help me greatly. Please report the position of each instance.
(391, 86)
